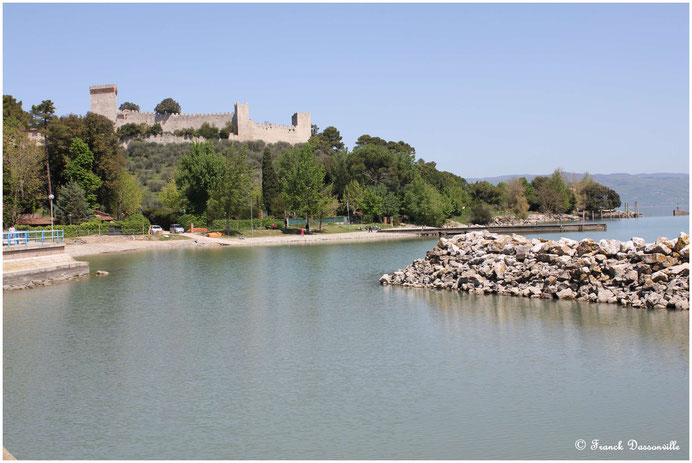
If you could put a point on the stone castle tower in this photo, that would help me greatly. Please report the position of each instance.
(104, 102)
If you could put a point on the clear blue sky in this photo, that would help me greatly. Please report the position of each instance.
(480, 89)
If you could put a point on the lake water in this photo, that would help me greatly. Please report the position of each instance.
(297, 352)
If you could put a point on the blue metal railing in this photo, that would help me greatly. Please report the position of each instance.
(23, 238)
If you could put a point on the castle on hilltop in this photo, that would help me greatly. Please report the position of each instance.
(104, 102)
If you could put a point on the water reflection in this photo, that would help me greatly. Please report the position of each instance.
(297, 352)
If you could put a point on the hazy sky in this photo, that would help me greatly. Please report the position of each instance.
(480, 89)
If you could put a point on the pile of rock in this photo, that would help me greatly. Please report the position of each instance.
(633, 273)
(533, 219)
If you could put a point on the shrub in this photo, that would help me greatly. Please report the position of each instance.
(208, 132)
(480, 214)
(136, 222)
(198, 220)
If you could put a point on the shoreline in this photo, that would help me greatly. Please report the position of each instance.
(97, 245)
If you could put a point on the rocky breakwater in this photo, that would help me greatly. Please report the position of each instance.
(633, 273)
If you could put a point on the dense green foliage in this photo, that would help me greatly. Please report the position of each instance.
(72, 206)
(198, 174)
(79, 169)
(128, 106)
(143, 130)
(480, 214)
(220, 179)
(24, 175)
(302, 182)
(77, 149)
(597, 197)
(42, 114)
(168, 106)
(228, 197)
(12, 113)
(208, 132)
(270, 183)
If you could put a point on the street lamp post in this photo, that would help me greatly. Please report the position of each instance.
(51, 197)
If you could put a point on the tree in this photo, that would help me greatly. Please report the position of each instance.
(353, 195)
(128, 106)
(129, 130)
(208, 132)
(270, 182)
(553, 194)
(336, 172)
(530, 194)
(43, 114)
(168, 106)
(371, 205)
(516, 198)
(486, 192)
(129, 195)
(328, 142)
(109, 158)
(155, 129)
(390, 204)
(230, 195)
(170, 196)
(613, 199)
(302, 181)
(22, 167)
(370, 164)
(328, 205)
(198, 173)
(79, 169)
(480, 214)
(549, 199)
(59, 135)
(71, 205)
(12, 113)
(596, 197)
(424, 204)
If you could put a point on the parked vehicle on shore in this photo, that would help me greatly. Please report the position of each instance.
(155, 230)
(177, 228)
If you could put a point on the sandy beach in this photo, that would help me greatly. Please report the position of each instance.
(92, 245)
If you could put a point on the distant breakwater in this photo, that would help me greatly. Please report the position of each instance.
(632, 273)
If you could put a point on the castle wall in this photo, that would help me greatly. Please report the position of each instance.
(104, 102)
(173, 122)
(272, 133)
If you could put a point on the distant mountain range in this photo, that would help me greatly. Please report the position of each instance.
(650, 190)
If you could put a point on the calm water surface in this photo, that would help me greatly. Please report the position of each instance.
(297, 352)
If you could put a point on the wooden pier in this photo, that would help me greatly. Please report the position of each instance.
(503, 229)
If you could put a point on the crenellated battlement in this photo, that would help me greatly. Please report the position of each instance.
(103, 101)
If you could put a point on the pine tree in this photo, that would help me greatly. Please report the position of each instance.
(72, 206)
(270, 182)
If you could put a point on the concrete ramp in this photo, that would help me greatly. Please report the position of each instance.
(22, 268)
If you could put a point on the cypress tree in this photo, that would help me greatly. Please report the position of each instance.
(270, 181)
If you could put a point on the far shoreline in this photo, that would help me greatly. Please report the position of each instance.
(99, 245)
